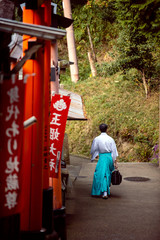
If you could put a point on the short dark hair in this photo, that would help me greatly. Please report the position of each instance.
(103, 127)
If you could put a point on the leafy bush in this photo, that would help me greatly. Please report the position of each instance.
(155, 154)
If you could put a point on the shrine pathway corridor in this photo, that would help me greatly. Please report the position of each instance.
(131, 213)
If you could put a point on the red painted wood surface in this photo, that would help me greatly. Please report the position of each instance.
(31, 216)
(27, 141)
(57, 193)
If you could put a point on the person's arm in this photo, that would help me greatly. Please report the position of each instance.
(94, 152)
(115, 164)
(114, 153)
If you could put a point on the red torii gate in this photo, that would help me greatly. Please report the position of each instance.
(35, 169)
(36, 139)
(31, 216)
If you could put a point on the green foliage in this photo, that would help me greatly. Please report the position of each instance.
(108, 69)
(134, 25)
(143, 152)
(135, 52)
(143, 15)
(59, 6)
(136, 44)
(99, 20)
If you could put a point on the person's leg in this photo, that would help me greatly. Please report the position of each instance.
(105, 196)
(96, 185)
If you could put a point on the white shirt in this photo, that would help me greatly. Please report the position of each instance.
(103, 144)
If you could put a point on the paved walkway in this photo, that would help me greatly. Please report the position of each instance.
(131, 213)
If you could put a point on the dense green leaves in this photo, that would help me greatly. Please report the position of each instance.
(99, 19)
(143, 16)
(139, 25)
(129, 29)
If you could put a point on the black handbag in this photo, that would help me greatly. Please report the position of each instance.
(116, 177)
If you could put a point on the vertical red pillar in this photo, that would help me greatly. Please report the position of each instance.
(57, 192)
(31, 216)
(27, 141)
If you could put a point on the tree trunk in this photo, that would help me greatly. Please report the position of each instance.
(71, 42)
(92, 65)
(146, 88)
(90, 40)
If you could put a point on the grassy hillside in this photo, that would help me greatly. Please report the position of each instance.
(132, 119)
(118, 100)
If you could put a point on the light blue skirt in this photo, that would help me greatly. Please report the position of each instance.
(102, 175)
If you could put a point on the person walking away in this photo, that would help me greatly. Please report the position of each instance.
(103, 146)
